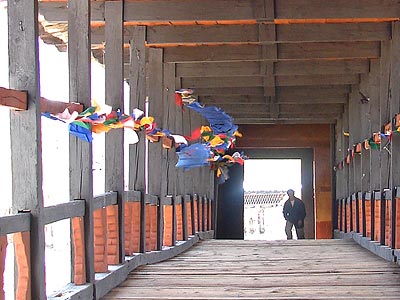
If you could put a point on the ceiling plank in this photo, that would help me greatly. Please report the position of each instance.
(252, 84)
(286, 51)
(333, 79)
(224, 34)
(161, 11)
(240, 120)
(208, 69)
(256, 99)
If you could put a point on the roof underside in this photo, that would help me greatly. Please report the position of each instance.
(262, 61)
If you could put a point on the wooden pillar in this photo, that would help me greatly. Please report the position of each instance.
(25, 129)
(114, 96)
(395, 142)
(155, 92)
(375, 125)
(138, 93)
(169, 157)
(137, 83)
(81, 158)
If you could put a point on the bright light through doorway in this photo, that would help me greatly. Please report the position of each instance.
(265, 184)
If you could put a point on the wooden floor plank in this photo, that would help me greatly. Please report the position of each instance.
(224, 269)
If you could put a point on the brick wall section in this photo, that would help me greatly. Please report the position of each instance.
(179, 222)
(360, 215)
(78, 246)
(189, 218)
(167, 238)
(368, 217)
(23, 260)
(200, 215)
(388, 223)
(354, 215)
(377, 231)
(348, 215)
(100, 241)
(112, 235)
(195, 216)
(153, 227)
(397, 243)
(132, 227)
(3, 252)
(128, 226)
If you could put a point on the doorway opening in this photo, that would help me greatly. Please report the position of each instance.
(265, 184)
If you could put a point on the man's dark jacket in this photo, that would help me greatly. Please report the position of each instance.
(294, 213)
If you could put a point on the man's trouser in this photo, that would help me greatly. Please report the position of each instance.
(288, 230)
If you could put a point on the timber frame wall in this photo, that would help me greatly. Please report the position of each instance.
(120, 230)
(367, 179)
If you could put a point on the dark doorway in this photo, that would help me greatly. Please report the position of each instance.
(230, 205)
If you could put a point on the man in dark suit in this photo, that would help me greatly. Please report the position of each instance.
(294, 213)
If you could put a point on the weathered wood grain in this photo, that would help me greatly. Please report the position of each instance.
(226, 269)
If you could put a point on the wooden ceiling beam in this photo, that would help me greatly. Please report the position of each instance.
(236, 86)
(285, 51)
(236, 34)
(257, 99)
(280, 120)
(254, 33)
(161, 11)
(222, 69)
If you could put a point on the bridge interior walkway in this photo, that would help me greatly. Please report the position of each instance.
(237, 269)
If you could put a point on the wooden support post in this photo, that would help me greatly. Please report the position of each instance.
(81, 158)
(374, 120)
(155, 92)
(138, 93)
(22, 246)
(137, 82)
(395, 142)
(114, 140)
(169, 172)
(78, 246)
(25, 127)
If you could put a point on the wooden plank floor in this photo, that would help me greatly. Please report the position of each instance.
(227, 269)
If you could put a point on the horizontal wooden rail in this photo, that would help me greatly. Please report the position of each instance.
(15, 223)
(132, 196)
(104, 200)
(75, 208)
(151, 199)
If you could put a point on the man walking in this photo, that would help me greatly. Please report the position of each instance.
(294, 213)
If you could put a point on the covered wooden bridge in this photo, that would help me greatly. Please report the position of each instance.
(310, 79)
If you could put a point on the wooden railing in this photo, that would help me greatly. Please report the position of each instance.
(164, 229)
(375, 216)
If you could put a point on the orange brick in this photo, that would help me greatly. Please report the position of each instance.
(377, 233)
(78, 244)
